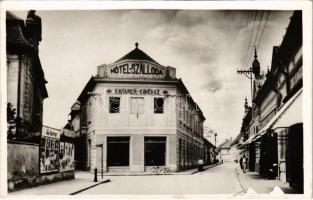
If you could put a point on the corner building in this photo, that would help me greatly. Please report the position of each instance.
(135, 114)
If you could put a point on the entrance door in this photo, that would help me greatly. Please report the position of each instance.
(117, 151)
(155, 151)
(295, 157)
(251, 156)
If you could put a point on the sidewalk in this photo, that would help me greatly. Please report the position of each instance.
(259, 184)
(82, 180)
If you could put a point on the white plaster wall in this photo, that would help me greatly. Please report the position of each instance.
(12, 79)
(149, 121)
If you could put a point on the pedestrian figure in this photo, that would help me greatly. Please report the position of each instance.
(244, 164)
(200, 165)
(240, 163)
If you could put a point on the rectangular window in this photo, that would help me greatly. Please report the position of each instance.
(158, 105)
(118, 151)
(155, 151)
(136, 105)
(114, 104)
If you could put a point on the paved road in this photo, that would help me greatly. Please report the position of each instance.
(221, 179)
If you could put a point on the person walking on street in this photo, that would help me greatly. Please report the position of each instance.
(244, 164)
(240, 163)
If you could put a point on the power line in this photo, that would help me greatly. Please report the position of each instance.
(257, 33)
(248, 19)
(250, 39)
(256, 37)
(268, 15)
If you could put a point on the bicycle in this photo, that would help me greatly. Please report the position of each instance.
(158, 170)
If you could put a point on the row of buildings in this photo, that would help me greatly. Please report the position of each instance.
(133, 115)
(271, 135)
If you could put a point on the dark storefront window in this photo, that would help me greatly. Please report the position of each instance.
(158, 105)
(155, 151)
(118, 151)
(114, 104)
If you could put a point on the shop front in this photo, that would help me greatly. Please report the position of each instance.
(135, 153)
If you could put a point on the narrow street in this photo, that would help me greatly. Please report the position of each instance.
(221, 179)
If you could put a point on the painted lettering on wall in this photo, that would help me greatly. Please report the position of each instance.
(51, 132)
(136, 68)
(135, 91)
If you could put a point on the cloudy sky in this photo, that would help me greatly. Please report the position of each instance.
(205, 47)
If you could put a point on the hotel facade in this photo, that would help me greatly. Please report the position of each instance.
(135, 114)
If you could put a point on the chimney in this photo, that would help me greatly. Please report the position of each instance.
(102, 71)
(170, 72)
(33, 28)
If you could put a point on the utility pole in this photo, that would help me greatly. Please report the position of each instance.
(249, 75)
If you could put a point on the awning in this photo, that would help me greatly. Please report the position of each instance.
(290, 113)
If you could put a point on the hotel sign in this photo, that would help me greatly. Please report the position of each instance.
(131, 69)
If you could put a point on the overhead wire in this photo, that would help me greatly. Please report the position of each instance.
(257, 33)
(245, 58)
(245, 33)
(256, 37)
(264, 27)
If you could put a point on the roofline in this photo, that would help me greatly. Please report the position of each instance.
(186, 90)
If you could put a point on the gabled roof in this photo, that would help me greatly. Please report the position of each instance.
(137, 54)
(225, 145)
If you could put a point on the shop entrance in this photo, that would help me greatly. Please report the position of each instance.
(117, 151)
(269, 156)
(155, 151)
(251, 159)
(295, 157)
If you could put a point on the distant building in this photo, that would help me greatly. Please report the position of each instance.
(225, 150)
(135, 114)
(275, 135)
(209, 134)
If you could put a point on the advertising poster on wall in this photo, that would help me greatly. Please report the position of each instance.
(66, 156)
(49, 150)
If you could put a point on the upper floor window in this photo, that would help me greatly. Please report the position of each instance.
(158, 105)
(136, 105)
(114, 104)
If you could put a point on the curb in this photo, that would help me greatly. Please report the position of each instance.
(84, 189)
(211, 166)
(168, 174)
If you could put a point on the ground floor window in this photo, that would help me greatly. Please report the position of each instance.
(118, 151)
(155, 151)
